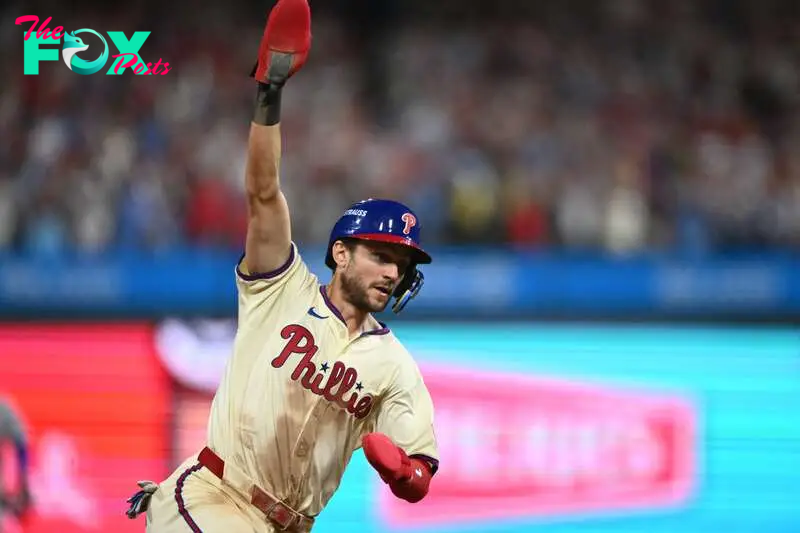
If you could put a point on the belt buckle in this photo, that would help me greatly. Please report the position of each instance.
(281, 515)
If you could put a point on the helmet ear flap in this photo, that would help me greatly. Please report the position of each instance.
(408, 289)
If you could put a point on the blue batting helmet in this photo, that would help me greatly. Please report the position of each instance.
(384, 221)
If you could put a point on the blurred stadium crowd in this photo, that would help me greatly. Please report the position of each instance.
(619, 125)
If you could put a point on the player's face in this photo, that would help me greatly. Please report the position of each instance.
(372, 273)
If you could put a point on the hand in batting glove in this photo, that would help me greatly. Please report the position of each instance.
(283, 51)
(408, 477)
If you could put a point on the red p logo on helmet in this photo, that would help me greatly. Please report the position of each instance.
(410, 221)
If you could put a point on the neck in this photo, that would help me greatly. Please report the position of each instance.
(353, 317)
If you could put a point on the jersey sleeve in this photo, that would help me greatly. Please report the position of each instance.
(406, 416)
(261, 292)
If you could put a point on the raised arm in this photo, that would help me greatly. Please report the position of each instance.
(284, 49)
(268, 227)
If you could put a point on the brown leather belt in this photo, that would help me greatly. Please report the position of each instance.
(276, 511)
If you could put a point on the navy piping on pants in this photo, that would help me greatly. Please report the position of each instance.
(179, 498)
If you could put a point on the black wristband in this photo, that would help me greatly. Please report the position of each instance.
(268, 105)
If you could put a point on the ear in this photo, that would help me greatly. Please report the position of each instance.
(341, 254)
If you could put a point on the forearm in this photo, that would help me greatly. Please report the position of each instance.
(263, 161)
(264, 144)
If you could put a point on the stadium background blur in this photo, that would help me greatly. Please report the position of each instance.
(610, 191)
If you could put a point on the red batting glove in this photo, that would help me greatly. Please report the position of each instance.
(408, 477)
(391, 463)
(285, 44)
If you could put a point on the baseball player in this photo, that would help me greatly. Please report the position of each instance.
(313, 375)
(11, 430)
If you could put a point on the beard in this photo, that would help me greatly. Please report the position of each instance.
(356, 292)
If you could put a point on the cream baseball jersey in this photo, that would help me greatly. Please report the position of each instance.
(299, 393)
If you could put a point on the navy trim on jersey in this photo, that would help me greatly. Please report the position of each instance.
(179, 498)
(383, 330)
(330, 305)
(266, 275)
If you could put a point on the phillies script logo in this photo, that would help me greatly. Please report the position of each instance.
(527, 447)
(128, 55)
(301, 341)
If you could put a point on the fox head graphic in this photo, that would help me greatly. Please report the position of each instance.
(74, 44)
